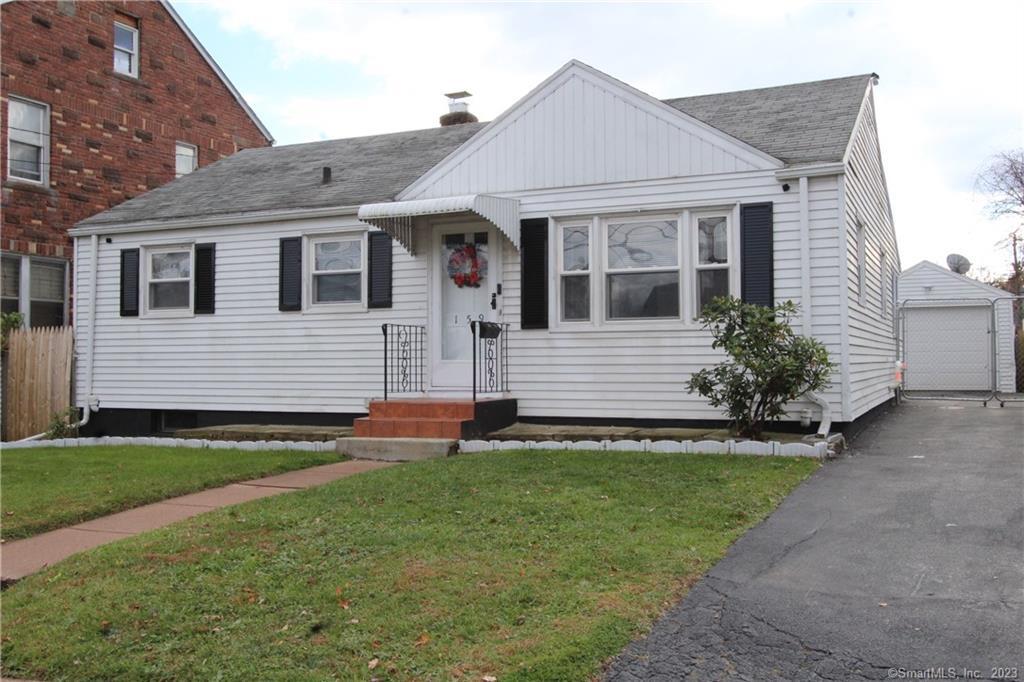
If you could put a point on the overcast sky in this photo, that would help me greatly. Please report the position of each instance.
(951, 91)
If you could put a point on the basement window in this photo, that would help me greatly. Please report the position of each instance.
(126, 49)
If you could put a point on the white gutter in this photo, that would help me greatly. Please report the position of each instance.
(806, 319)
(91, 404)
(813, 170)
(212, 221)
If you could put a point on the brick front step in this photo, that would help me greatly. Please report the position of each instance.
(435, 418)
(382, 427)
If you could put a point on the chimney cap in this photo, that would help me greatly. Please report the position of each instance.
(457, 95)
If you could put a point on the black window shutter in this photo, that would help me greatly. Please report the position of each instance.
(204, 297)
(129, 282)
(757, 270)
(290, 274)
(379, 276)
(533, 238)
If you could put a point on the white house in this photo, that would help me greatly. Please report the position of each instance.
(591, 218)
(958, 333)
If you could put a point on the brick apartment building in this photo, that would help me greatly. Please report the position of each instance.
(101, 101)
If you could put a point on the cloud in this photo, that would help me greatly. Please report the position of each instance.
(950, 95)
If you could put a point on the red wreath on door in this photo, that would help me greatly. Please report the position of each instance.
(466, 266)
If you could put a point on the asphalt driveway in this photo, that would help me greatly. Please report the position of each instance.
(906, 556)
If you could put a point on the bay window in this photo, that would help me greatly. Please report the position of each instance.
(642, 269)
(712, 264)
(574, 277)
(337, 269)
(655, 269)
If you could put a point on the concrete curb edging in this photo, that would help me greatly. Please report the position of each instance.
(200, 443)
(819, 450)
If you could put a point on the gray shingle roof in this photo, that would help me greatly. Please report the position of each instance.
(364, 169)
(798, 124)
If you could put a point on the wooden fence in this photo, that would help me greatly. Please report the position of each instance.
(37, 369)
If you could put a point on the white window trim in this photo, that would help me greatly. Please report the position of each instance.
(687, 257)
(25, 286)
(134, 73)
(144, 280)
(308, 271)
(44, 154)
(195, 157)
(730, 254)
(588, 273)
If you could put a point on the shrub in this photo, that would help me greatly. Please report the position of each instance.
(769, 365)
(63, 424)
(8, 323)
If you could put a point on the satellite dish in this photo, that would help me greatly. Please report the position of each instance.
(958, 264)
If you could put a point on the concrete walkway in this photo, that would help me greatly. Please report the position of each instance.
(903, 558)
(24, 557)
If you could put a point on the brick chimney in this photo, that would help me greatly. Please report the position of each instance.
(458, 110)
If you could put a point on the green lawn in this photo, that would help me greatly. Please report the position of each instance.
(46, 488)
(521, 565)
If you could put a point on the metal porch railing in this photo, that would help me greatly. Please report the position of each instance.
(490, 357)
(404, 358)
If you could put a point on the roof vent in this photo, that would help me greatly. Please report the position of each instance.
(458, 109)
(326, 175)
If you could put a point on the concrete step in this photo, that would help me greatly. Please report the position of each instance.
(397, 449)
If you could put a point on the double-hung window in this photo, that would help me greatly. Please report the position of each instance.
(337, 269)
(126, 49)
(169, 279)
(574, 268)
(28, 140)
(642, 269)
(10, 286)
(186, 158)
(36, 288)
(712, 263)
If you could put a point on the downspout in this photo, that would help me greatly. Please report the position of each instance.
(805, 298)
(91, 404)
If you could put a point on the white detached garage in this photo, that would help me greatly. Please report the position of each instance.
(957, 333)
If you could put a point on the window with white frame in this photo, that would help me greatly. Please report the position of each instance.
(47, 293)
(712, 265)
(186, 158)
(169, 279)
(28, 140)
(337, 269)
(642, 269)
(10, 284)
(574, 272)
(126, 49)
(36, 288)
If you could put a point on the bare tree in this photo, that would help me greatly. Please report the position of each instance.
(1003, 181)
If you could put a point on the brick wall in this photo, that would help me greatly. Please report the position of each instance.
(112, 136)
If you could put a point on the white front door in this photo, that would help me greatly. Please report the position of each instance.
(467, 275)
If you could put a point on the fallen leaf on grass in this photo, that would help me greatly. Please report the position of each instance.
(423, 639)
(490, 678)
(374, 662)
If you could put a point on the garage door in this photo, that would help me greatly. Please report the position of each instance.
(948, 349)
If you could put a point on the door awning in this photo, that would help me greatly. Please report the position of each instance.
(399, 218)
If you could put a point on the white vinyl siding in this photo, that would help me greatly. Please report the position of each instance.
(871, 338)
(584, 130)
(250, 356)
(928, 281)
